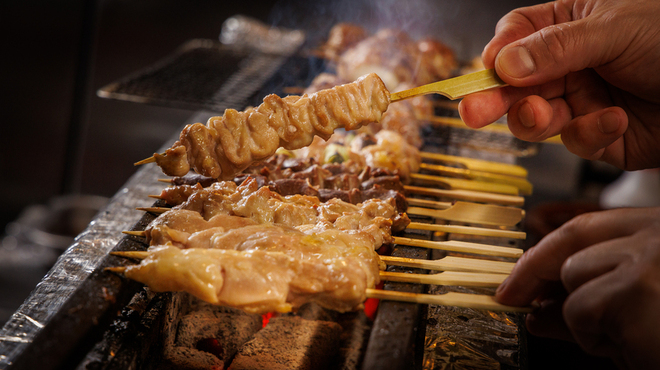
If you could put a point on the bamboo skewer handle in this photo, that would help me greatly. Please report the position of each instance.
(476, 301)
(446, 278)
(468, 230)
(452, 264)
(485, 214)
(461, 247)
(478, 164)
(463, 184)
(468, 195)
(524, 186)
(456, 87)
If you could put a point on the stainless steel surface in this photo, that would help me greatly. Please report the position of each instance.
(77, 263)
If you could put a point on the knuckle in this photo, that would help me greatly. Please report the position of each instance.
(556, 40)
(578, 223)
(567, 274)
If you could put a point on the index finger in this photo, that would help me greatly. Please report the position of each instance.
(542, 263)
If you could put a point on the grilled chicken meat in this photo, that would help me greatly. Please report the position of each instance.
(228, 144)
(265, 268)
(375, 217)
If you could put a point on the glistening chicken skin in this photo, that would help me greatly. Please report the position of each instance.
(264, 268)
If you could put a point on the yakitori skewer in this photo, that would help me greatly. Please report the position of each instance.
(524, 186)
(485, 214)
(449, 245)
(461, 247)
(468, 230)
(456, 87)
(474, 164)
(415, 202)
(474, 279)
(468, 195)
(452, 263)
(230, 143)
(476, 301)
(443, 278)
(463, 184)
(460, 212)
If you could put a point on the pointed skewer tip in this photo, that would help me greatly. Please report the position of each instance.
(151, 159)
(135, 233)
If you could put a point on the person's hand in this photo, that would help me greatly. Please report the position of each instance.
(585, 69)
(597, 280)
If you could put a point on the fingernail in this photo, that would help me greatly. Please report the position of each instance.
(608, 123)
(516, 62)
(526, 115)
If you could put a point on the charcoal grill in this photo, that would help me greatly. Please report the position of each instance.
(82, 317)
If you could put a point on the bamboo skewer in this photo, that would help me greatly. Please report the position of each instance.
(452, 263)
(116, 269)
(151, 159)
(524, 186)
(468, 230)
(456, 87)
(478, 164)
(463, 184)
(140, 255)
(461, 247)
(156, 210)
(135, 233)
(469, 195)
(476, 301)
(473, 279)
(473, 213)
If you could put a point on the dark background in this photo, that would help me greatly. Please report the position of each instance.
(59, 138)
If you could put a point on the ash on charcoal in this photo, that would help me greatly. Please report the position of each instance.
(209, 336)
(313, 311)
(353, 339)
(290, 343)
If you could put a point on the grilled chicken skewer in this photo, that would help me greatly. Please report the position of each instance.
(263, 205)
(218, 280)
(455, 270)
(229, 144)
(460, 211)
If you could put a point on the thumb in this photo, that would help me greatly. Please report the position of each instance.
(552, 52)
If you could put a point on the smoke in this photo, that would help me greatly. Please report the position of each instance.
(464, 25)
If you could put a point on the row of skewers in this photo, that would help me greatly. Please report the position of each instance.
(281, 217)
